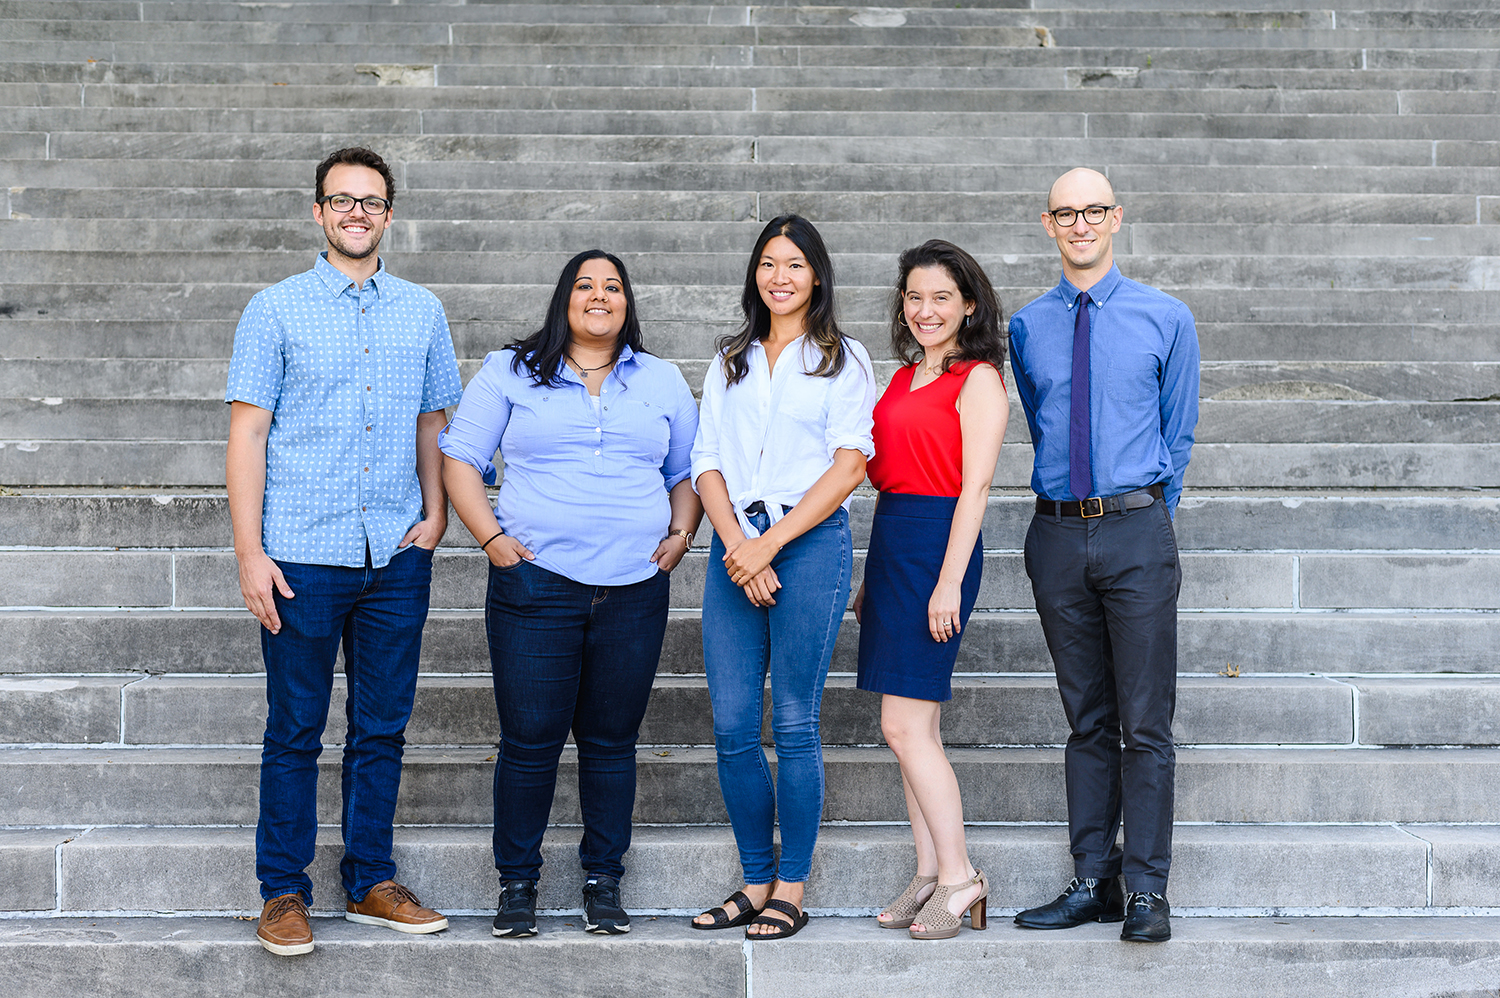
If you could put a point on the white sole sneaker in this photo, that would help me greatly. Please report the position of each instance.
(407, 927)
(282, 950)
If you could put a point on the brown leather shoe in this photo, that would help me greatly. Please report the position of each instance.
(395, 907)
(283, 926)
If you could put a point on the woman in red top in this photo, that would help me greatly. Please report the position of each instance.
(937, 437)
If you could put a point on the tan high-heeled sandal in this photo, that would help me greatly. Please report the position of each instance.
(942, 923)
(903, 910)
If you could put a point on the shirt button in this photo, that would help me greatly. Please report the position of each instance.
(369, 428)
(367, 469)
(361, 311)
(596, 453)
(367, 387)
(367, 349)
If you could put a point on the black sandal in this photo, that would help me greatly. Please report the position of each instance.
(721, 918)
(783, 930)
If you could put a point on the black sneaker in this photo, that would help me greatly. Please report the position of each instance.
(601, 907)
(516, 918)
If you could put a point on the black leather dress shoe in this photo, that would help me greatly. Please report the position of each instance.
(1148, 918)
(1081, 901)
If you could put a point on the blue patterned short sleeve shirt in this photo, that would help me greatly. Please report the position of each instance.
(345, 371)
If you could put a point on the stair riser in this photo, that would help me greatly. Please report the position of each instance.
(454, 786)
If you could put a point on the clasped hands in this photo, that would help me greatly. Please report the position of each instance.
(748, 562)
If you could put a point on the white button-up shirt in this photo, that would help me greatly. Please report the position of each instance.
(774, 433)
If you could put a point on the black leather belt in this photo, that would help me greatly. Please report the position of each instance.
(1098, 506)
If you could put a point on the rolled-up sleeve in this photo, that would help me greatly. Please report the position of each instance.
(474, 433)
(684, 431)
(851, 405)
(257, 365)
(705, 454)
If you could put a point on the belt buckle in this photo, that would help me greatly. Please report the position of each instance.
(1083, 507)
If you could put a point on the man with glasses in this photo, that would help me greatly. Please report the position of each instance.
(337, 388)
(1107, 372)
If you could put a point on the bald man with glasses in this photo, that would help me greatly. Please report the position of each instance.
(1107, 372)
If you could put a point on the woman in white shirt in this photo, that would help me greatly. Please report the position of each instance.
(783, 436)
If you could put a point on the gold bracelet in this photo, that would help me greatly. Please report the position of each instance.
(686, 535)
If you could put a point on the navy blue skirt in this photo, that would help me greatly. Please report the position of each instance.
(907, 543)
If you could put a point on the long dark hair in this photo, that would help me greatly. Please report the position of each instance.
(541, 353)
(979, 338)
(822, 326)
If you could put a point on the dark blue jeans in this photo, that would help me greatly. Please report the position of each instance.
(792, 642)
(569, 657)
(377, 614)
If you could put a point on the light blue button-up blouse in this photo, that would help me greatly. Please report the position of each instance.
(585, 492)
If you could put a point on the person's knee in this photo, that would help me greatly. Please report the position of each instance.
(900, 733)
(794, 730)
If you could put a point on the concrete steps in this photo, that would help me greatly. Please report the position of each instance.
(1318, 185)
(108, 640)
(1281, 958)
(441, 786)
(987, 710)
(1244, 867)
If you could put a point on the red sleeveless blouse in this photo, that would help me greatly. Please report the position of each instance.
(919, 447)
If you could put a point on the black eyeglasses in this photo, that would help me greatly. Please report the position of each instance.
(343, 202)
(1093, 214)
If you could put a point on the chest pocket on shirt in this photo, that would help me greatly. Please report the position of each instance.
(804, 403)
(1133, 378)
(400, 369)
(646, 426)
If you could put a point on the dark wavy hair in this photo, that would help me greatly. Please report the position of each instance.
(541, 353)
(353, 156)
(822, 325)
(979, 338)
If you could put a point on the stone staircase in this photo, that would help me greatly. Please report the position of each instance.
(1321, 186)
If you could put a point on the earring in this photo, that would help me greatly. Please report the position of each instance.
(966, 320)
(902, 320)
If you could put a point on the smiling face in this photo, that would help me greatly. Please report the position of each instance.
(354, 234)
(785, 278)
(1087, 250)
(597, 306)
(934, 309)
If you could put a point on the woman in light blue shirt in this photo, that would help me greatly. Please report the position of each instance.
(595, 510)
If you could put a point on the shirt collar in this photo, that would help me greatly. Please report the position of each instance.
(627, 357)
(337, 281)
(1098, 294)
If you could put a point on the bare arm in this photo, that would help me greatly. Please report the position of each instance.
(983, 413)
(245, 478)
(426, 532)
(687, 513)
(747, 558)
(472, 504)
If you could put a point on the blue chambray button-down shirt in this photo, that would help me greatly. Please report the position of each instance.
(585, 492)
(345, 372)
(1143, 386)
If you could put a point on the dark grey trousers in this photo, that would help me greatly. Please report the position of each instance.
(1106, 592)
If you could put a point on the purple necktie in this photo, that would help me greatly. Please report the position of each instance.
(1080, 477)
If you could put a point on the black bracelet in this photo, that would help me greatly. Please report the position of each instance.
(491, 540)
